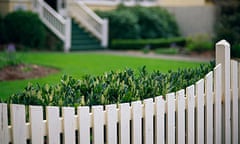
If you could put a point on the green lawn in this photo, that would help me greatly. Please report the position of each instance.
(79, 64)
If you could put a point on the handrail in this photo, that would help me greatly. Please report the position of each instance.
(53, 12)
(90, 12)
(89, 20)
(55, 22)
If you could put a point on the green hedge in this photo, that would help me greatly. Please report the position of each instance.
(140, 23)
(150, 43)
(199, 43)
(112, 87)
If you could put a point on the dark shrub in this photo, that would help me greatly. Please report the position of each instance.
(2, 34)
(24, 28)
(52, 42)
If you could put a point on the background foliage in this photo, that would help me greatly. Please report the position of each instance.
(227, 25)
(113, 87)
(140, 22)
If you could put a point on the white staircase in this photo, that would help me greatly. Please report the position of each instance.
(89, 20)
(61, 25)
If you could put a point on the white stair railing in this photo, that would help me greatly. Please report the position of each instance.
(58, 24)
(89, 20)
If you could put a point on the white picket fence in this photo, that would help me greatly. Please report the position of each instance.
(204, 113)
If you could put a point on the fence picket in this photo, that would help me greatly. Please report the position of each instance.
(218, 104)
(238, 98)
(18, 123)
(223, 58)
(69, 125)
(36, 119)
(4, 124)
(53, 125)
(200, 112)
(160, 109)
(234, 87)
(190, 115)
(137, 122)
(170, 118)
(148, 121)
(160, 120)
(180, 117)
(98, 123)
(209, 108)
(111, 124)
(84, 125)
(124, 123)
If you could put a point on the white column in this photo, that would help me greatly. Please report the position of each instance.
(68, 31)
(59, 5)
(104, 42)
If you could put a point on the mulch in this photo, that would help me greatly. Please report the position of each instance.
(25, 71)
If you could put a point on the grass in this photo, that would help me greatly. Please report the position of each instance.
(80, 64)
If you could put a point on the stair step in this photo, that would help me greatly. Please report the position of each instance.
(86, 47)
(83, 40)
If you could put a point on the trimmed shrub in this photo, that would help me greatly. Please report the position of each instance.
(199, 43)
(150, 43)
(140, 23)
(112, 87)
(24, 28)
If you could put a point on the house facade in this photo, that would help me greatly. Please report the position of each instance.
(194, 17)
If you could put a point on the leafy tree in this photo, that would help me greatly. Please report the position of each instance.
(227, 24)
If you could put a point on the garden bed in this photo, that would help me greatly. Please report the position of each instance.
(25, 71)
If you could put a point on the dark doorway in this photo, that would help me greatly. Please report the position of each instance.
(52, 3)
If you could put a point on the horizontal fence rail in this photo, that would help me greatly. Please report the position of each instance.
(197, 114)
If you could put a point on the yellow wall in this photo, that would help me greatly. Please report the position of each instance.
(9, 6)
(164, 3)
(4, 7)
(181, 2)
(102, 7)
